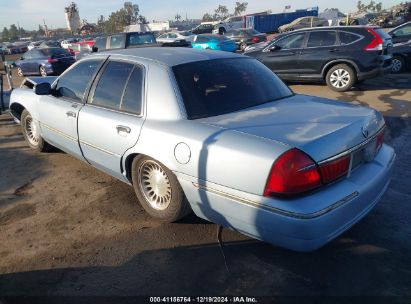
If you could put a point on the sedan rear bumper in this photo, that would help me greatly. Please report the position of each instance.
(293, 224)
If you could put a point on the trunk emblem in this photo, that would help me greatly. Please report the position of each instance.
(365, 131)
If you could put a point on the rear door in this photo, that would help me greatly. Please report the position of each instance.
(285, 60)
(110, 123)
(322, 46)
(59, 112)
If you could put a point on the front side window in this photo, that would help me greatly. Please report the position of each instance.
(220, 86)
(74, 82)
(403, 31)
(111, 84)
(291, 42)
(117, 41)
(322, 38)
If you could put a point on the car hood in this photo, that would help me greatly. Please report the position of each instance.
(320, 127)
(38, 80)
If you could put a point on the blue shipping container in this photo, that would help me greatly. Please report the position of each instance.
(271, 23)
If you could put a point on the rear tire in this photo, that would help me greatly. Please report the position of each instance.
(398, 64)
(31, 133)
(340, 78)
(158, 190)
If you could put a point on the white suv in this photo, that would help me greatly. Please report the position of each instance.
(228, 24)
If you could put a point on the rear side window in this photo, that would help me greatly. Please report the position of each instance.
(347, 38)
(133, 95)
(322, 38)
(74, 82)
(111, 84)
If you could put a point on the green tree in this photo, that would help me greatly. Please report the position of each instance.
(240, 7)
(360, 6)
(5, 34)
(221, 12)
(128, 14)
(207, 17)
(13, 32)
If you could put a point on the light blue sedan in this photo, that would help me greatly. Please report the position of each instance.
(218, 134)
(214, 42)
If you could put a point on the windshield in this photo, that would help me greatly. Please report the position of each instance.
(186, 34)
(216, 87)
(137, 39)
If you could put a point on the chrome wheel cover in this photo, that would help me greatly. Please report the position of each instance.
(20, 72)
(154, 185)
(340, 78)
(31, 130)
(396, 65)
(43, 71)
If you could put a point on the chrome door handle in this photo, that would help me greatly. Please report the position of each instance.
(71, 114)
(123, 129)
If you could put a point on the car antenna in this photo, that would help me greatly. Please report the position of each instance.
(220, 244)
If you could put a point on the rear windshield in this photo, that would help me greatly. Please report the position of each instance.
(55, 52)
(138, 39)
(216, 87)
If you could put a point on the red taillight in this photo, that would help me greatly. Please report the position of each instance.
(376, 43)
(255, 39)
(379, 140)
(71, 51)
(335, 169)
(292, 173)
(52, 60)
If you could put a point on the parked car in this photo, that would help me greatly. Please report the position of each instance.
(228, 24)
(34, 44)
(44, 61)
(401, 37)
(244, 37)
(124, 41)
(79, 49)
(214, 42)
(68, 42)
(340, 56)
(50, 44)
(174, 37)
(219, 134)
(203, 28)
(303, 22)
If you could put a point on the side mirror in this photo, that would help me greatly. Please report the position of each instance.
(42, 89)
(94, 49)
(274, 48)
(21, 58)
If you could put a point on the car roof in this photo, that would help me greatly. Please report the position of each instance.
(339, 27)
(171, 56)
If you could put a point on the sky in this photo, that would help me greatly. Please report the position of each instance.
(30, 13)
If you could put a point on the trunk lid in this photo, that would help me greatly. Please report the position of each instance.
(320, 127)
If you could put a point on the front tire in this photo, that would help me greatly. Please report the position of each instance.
(398, 64)
(243, 46)
(158, 190)
(31, 133)
(20, 72)
(340, 78)
(43, 71)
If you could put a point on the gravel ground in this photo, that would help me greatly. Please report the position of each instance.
(68, 229)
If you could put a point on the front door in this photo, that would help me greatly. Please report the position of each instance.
(110, 123)
(285, 58)
(59, 112)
